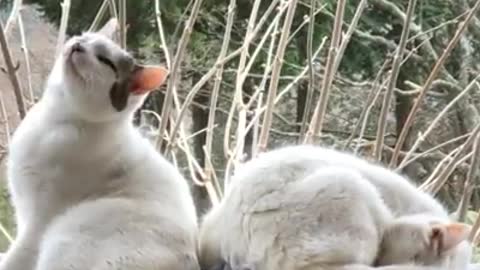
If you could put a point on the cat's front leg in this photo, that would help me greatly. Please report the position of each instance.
(22, 254)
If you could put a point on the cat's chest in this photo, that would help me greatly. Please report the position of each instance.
(67, 153)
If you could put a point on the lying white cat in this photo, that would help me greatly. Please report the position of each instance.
(281, 213)
(89, 192)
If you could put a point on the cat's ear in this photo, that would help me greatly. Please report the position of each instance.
(444, 237)
(110, 29)
(148, 78)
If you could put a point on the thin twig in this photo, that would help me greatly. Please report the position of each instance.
(351, 29)
(256, 125)
(287, 88)
(429, 151)
(321, 108)
(437, 119)
(311, 78)
(473, 237)
(99, 16)
(367, 114)
(113, 9)
(27, 58)
(5, 232)
(211, 72)
(469, 182)
(4, 118)
(12, 73)
(161, 33)
(213, 188)
(240, 80)
(209, 170)
(16, 7)
(277, 67)
(175, 69)
(436, 69)
(123, 24)
(376, 88)
(397, 59)
(445, 173)
(62, 31)
(189, 98)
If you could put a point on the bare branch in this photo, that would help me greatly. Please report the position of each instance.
(209, 170)
(175, 69)
(161, 32)
(320, 110)
(99, 16)
(442, 177)
(12, 73)
(123, 25)
(436, 69)
(62, 31)
(431, 150)
(16, 7)
(27, 59)
(311, 78)
(469, 182)
(397, 59)
(276, 69)
(437, 119)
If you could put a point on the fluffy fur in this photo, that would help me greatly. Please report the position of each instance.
(88, 190)
(271, 219)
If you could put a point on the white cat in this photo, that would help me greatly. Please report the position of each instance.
(427, 240)
(89, 192)
(284, 236)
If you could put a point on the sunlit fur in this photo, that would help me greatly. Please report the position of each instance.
(89, 192)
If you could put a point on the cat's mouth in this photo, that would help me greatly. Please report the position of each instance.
(74, 51)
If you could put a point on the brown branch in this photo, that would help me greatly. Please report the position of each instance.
(26, 56)
(437, 119)
(16, 7)
(436, 69)
(99, 16)
(175, 70)
(321, 108)
(12, 73)
(208, 167)
(469, 182)
(161, 33)
(311, 78)
(277, 66)
(376, 88)
(397, 59)
(123, 24)
(447, 171)
(62, 30)
(429, 151)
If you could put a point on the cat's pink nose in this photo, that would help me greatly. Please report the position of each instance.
(77, 47)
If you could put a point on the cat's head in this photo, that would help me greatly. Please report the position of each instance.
(99, 80)
(422, 240)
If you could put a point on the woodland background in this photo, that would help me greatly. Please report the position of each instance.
(250, 75)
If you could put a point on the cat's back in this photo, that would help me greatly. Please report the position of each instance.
(399, 193)
(288, 208)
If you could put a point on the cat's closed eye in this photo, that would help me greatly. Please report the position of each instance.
(106, 61)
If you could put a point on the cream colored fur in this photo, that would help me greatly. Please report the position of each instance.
(271, 218)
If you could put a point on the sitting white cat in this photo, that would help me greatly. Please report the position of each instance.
(89, 192)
